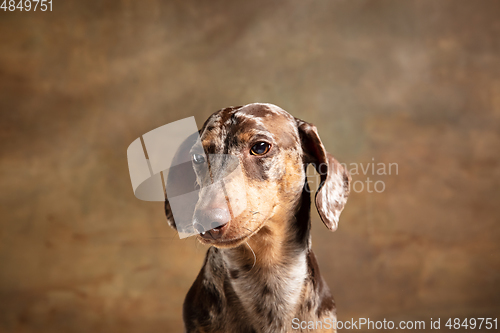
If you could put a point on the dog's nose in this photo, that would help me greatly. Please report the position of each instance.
(212, 221)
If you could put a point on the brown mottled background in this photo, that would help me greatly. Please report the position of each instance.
(410, 82)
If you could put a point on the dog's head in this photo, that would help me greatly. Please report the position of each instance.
(270, 150)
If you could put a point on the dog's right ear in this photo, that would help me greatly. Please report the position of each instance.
(181, 178)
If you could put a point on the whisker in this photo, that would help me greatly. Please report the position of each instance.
(260, 212)
(254, 256)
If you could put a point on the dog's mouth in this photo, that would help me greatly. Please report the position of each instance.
(215, 236)
(215, 233)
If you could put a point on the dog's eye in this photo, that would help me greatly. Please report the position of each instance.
(260, 148)
(198, 159)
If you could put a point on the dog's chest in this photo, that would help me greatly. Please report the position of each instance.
(270, 296)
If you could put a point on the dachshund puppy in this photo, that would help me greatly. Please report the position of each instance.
(260, 274)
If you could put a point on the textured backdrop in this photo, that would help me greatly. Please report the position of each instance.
(415, 83)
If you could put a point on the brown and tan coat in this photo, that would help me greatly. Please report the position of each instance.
(260, 272)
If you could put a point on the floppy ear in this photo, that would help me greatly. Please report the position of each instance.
(333, 190)
(181, 178)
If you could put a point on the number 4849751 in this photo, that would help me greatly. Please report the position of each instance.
(26, 5)
(472, 323)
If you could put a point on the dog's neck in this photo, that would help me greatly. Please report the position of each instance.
(279, 249)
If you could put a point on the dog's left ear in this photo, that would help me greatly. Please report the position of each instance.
(333, 190)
